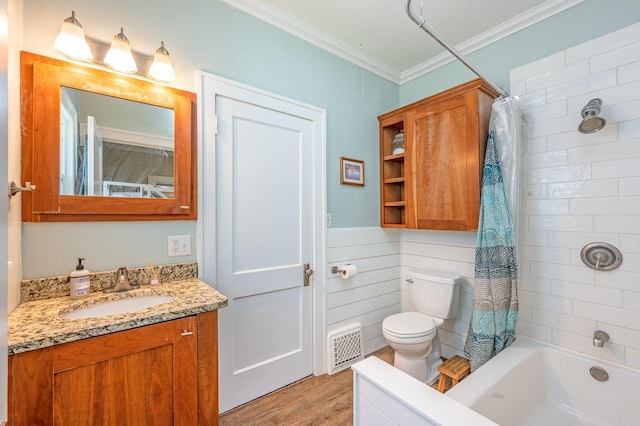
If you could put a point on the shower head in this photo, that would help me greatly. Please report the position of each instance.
(591, 123)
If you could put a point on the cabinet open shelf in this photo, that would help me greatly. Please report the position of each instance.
(394, 157)
(394, 215)
(393, 174)
(395, 180)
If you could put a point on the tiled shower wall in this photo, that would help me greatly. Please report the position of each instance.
(580, 189)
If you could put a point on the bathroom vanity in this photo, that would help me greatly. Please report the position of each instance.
(152, 366)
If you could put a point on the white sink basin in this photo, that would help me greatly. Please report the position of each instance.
(115, 307)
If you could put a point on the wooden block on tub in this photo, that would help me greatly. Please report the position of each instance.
(455, 367)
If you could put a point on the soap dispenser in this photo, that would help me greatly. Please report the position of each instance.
(80, 281)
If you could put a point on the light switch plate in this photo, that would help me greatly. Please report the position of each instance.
(179, 245)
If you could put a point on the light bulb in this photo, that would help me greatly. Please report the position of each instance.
(162, 69)
(119, 56)
(71, 41)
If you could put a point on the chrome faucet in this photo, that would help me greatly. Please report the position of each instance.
(600, 338)
(122, 280)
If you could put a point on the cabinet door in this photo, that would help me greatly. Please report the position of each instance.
(143, 376)
(128, 378)
(446, 159)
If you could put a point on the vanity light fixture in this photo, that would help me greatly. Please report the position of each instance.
(71, 41)
(119, 56)
(161, 69)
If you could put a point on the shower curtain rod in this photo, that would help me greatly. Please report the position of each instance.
(422, 23)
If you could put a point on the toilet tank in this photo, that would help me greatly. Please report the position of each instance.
(434, 293)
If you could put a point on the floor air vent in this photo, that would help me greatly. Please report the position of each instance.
(346, 348)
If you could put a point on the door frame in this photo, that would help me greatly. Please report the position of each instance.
(206, 230)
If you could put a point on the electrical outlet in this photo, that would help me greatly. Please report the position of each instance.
(328, 220)
(179, 245)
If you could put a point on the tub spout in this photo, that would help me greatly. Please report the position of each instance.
(600, 338)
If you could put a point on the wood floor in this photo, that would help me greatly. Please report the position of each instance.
(322, 400)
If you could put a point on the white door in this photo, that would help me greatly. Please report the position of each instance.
(94, 157)
(267, 227)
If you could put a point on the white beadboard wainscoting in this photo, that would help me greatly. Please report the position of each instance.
(579, 189)
(374, 293)
(381, 256)
(446, 251)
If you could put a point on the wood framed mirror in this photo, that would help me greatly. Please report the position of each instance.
(102, 146)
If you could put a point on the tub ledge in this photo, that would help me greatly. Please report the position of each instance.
(382, 394)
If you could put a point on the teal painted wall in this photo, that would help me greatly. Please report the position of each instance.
(224, 41)
(221, 40)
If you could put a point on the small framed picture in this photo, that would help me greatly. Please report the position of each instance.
(351, 171)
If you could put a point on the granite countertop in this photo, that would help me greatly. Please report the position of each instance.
(38, 324)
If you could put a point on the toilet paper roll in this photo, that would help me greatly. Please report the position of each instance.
(348, 271)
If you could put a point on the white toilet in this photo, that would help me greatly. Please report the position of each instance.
(414, 335)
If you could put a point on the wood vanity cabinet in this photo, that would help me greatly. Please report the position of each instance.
(161, 374)
(436, 182)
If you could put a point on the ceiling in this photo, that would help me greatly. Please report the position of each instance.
(379, 36)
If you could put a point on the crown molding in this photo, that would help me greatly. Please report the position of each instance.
(276, 17)
(520, 22)
(295, 26)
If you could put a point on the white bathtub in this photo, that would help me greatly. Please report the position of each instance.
(529, 383)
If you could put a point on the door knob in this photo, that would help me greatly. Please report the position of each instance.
(307, 274)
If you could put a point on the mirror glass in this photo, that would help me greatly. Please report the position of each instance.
(115, 147)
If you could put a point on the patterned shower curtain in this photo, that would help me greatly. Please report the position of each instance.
(495, 294)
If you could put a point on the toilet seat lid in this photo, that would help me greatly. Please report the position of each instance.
(409, 324)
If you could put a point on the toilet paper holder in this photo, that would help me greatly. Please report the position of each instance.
(345, 271)
(336, 269)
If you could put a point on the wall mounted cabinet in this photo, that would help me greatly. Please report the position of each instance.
(435, 183)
